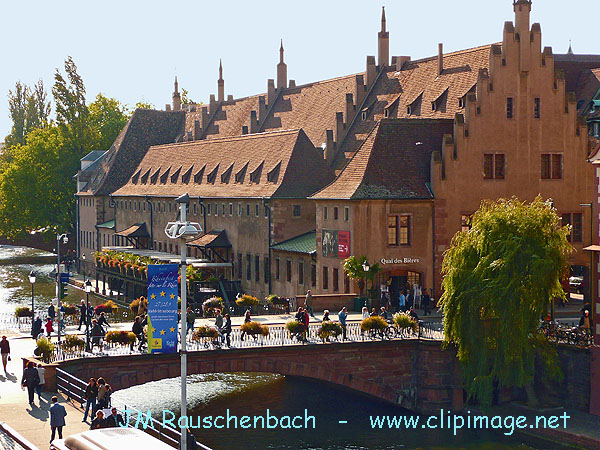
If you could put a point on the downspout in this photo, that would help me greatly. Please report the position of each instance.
(151, 226)
(265, 203)
(203, 207)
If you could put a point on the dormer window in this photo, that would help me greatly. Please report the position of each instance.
(363, 115)
(409, 110)
(461, 102)
(386, 113)
(433, 106)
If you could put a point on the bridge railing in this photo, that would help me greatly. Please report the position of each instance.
(74, 388)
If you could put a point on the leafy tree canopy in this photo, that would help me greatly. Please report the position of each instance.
(28, 110)
(107, 117)
(499, 278)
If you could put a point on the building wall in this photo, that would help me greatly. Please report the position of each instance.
(521, 72)
(293, 284)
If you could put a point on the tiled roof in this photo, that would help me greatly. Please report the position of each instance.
(392, 163)
(212, 239)
(418, 84)
(305, 243)
(145, 128)
(278, 164)
(136, 230)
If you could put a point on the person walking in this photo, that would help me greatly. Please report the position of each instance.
(426, 300)
(49, 327)
(91, 394)
(42, 375)
(36, 328)
(82, 315)
(115, 419)
(247, 319)
(226, 330)
(190, 318)
(97, 334)
(30, 380)
(5, 352)
(51, 312)
(102, 321)
(138, 330)
(342, 315)
(57, 418)
(308, 303)
(102, 388)
(219, 324)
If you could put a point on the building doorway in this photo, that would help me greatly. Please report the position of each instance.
(399, 281)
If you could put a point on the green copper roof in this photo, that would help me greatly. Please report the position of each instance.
(305, 243)
(109, 224)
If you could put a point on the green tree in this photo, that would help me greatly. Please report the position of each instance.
(355, 269)
(142, 104)
(499, 278)
(28, 110)
(107, 117)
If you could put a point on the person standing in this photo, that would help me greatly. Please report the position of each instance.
(402, 301)
(36, 328)
(102, 388)
(82, 314)
(365, 313)
(138, 330)
(426, 303)
(97, 334)
(57, 418)
(226, 330)
(585, 322)
(42, 375)
(219, 323)
(191, 319)
(308, 303)
(326, 316)
(247, 319)
(342, 315)
(102, 321)
(5, 352)
(51, 312)
(91, 394)
(49, 328)
(30, 380)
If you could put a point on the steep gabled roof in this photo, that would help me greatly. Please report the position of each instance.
(392, 163)
(299, 167)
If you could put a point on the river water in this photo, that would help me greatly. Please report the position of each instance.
(253, 394)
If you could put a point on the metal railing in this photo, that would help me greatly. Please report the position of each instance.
(74, 388)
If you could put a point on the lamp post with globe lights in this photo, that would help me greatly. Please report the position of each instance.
(32, 281)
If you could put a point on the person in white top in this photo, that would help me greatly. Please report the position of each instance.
(365, 313)
(42, 373)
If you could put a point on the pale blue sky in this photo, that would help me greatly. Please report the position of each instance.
(132, 49)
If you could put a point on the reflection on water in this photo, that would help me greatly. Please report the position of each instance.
(252, 394)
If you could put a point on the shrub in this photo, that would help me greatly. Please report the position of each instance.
(247, 301)
(108, 307)
(329, 329)
(73, 343)
(373, 323)
(294, 327)
(404, 321)
(70, 310)
(135, 306)
(44, 349)
(120, 337)
(205, 331)
(210, 305)
(254, 329)
(276, 300)
(23, 311)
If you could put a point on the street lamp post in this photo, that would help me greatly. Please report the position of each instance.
(183, 230)
(88, 289)
(65, 239)
(32, 281)
(83, 269)
(366, 267)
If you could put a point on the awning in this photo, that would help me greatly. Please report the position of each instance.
(593, 248)
(137, 230)
(305, 243)
(110, 224)
(212, 239)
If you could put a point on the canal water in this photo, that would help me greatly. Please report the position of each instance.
(253, 394)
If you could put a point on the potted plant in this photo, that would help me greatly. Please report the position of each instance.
(277, 301)
(295, 327)
(204, 332)
(329, 329)
(23, 311)
(403, 321)
(44, 349)
(120, 337)
(70, 310)
(254, 329)
(375, 324)
(73, 343)
(107, 308)
(247, 301)
(211, 305)
(358, 269)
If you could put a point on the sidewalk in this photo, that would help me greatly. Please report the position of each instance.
(33, 423)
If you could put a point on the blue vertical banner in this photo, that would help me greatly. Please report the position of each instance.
(163, 290)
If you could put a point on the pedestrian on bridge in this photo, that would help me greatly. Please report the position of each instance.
(342, 316)
(308, 303)
(226, 330)
(57, 418)
(82, 315)
(49, 327)
(31, 379)
(5, 352)
(91, 394)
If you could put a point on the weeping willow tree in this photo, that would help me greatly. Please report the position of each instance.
(499, 278)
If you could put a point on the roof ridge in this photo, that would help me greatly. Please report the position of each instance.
(454, 53)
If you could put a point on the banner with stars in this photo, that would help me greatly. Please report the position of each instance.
(163, 289)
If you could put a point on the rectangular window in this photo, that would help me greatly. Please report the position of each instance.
(556, 166)
(494, 166)
(239, 271)
(346, 213)
(300, 272)
(335, 213)
(267, 268)
(216, 209)
(325, 213)
(248, 266)
(392, 230)
(499, 166)
(195, 209)
(257, 268)
(465, 222)
(577, 227)
(509, 108)
(223, 209)
(346, 283)
(335, 279)
(208, 209)
(488, 166)
(325, 278)
(546, 173)
(551, 166)
(404, 230)
(536, 108)
(313, 275)
(248, 209)
(160, 246)
(256, 210)
(288, 270)
(277, 272)
(296, 211)
(231, 209)
(240, 209)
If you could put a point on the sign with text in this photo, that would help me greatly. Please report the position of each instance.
(162, 307)
(336, 244)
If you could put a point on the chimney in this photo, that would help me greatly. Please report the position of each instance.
(371, 71)
(176, 97)
(339, 126)
(329, 147)
(360, 90)
(212, 104)
(253, 122)
(281, 70)
(204, 118)
(167, 107)
(230, 98)
(262, 108)
(349, 108)
(221, 83)
(270, 92)
(244, 129)
(292, 83)
(383, 43)
(197, 130)
(440, 60)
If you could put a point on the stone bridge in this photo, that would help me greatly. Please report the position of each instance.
(415, 374)
(40, 242)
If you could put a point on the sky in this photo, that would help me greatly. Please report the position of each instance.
(131, 50)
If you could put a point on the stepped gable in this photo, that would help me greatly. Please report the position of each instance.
(282, 164)
(392, 163)
(311, 107)
(418, 84)
(145, 128)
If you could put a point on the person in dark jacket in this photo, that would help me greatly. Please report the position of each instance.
(31, 379)
(91, 394)
(115, 420)
(102, 321)
(36, 328)
(226, 330)
(138, 330)
(82, 315)
(247, 319)
(57, 418)
(97, 334)
(98, 422)
(5, 352)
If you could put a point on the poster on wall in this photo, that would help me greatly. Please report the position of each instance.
(336, 244)
(162, 307)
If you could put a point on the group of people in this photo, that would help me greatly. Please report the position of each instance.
(97, 397)
(223, 326)
(34, 377)
(385, 314)
(405, 300)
